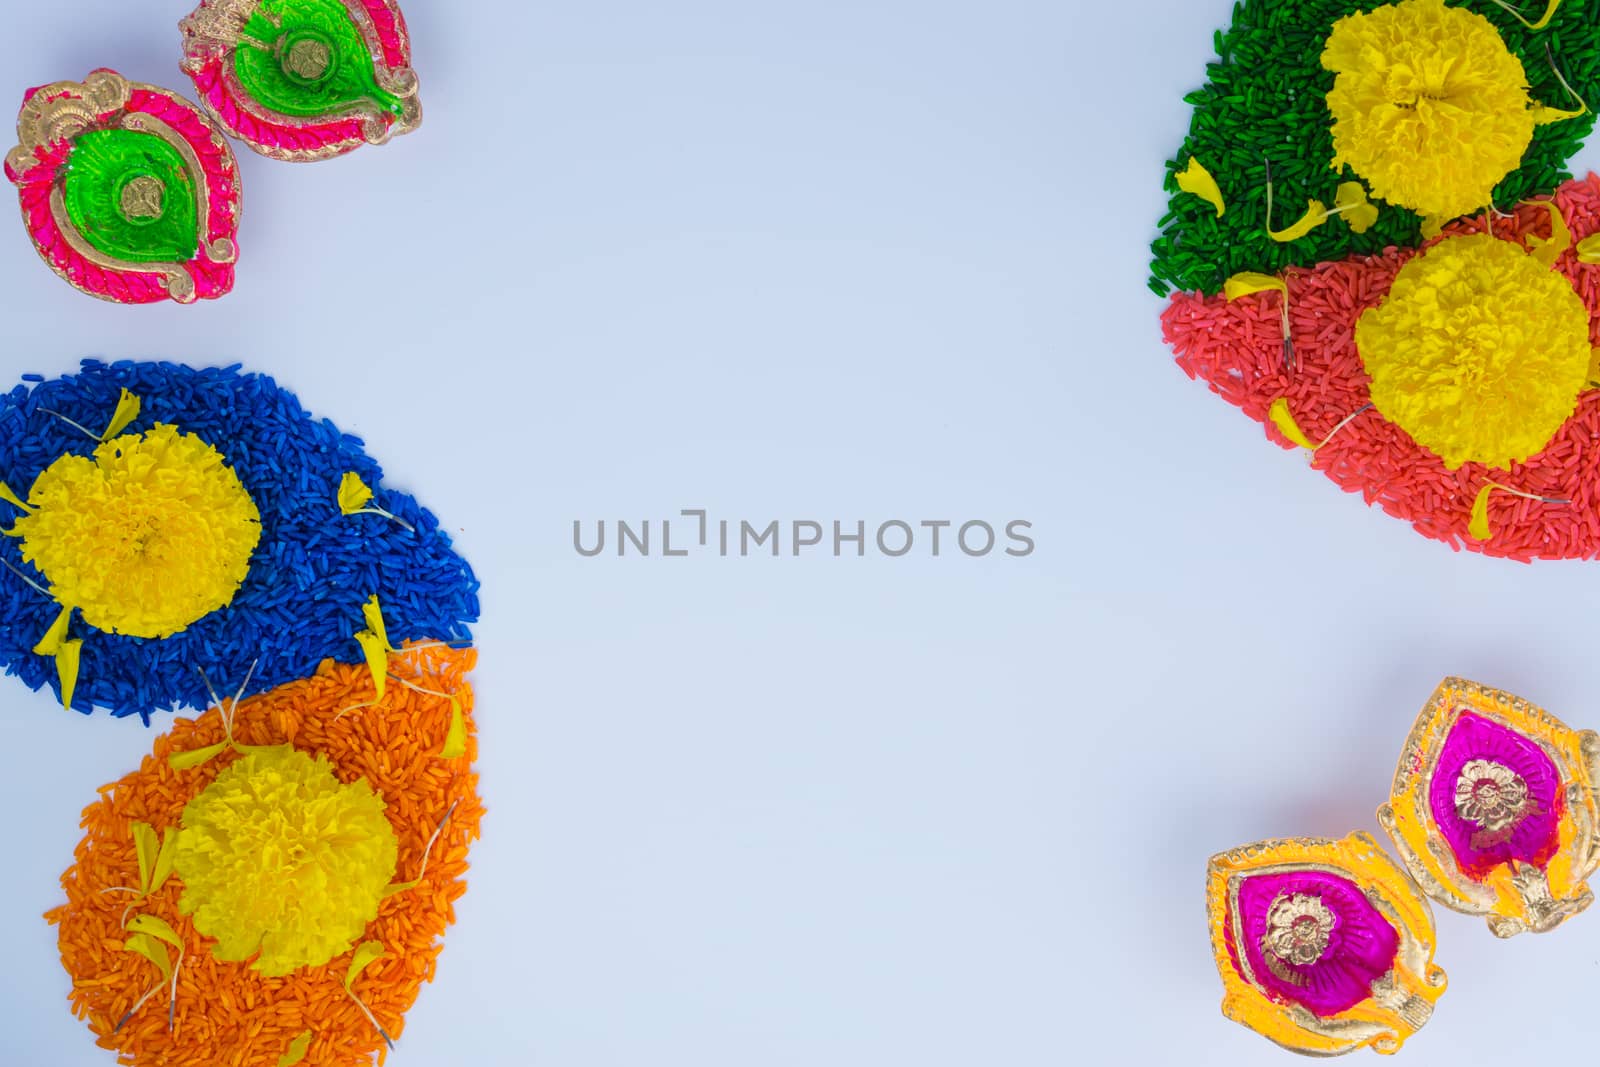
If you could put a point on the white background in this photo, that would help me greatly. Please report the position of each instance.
(829, 260)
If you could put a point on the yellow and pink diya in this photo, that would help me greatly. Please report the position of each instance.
(1325, 947)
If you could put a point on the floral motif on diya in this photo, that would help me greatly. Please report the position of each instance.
(1323, 946)
(304, 80)
(1493, 797)
(1494, 809)
(1298, 926)
(129, 193)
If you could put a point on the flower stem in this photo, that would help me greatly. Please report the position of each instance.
(1346, 421)
(75, 425)
(137, 1005)
(428, 852)
(1554, 69)
(373, 1020)
(1529, 496)
(388, 515)
(13, 569)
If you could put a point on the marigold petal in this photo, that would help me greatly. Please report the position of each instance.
(1360, 213)
(1197, 180)
(1589, 249)
(1248, 282)
(1544, 114)
(128, 407)
(1549, 249)
(152, 950)
(297, 1050)
(1316, 214)
(164, 860)
(50, 643)
(145, 847)
(1549, 13)
(376, 649)
(372, 611)
(1478, 526)
(455, 742)
(1284, 421)
(354, 494)
(157, 927)
(12, 498)
(187, 761)
(365, 955)
(68, 658)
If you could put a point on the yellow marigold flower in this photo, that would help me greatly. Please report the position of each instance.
(277, 856)
(153, 533)
(1429, 105)
(1479, 352)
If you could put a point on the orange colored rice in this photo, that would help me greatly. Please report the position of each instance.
(227, 1014)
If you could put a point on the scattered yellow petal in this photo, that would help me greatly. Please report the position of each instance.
(366, 953)
(145, 847)
(1478, 527)
(1544, 114)
(373, 613)
(1197, 180)
(1433, 226)
(1284, 421)
(1549, 13)
(11, 498)
(68, 659)
(152, 950)
(128, 407)
(455, 741)
(1247, 282)
(1358, 211)
(185, 761)
(398, 888)
(164, 859)
(1549, 249)
(1316, 214)
(157, 928)
(1589, 249)
(297, 1050)
(51, 642)
(376, 650)
(354, 493)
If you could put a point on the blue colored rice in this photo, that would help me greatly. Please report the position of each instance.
(313, 570)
